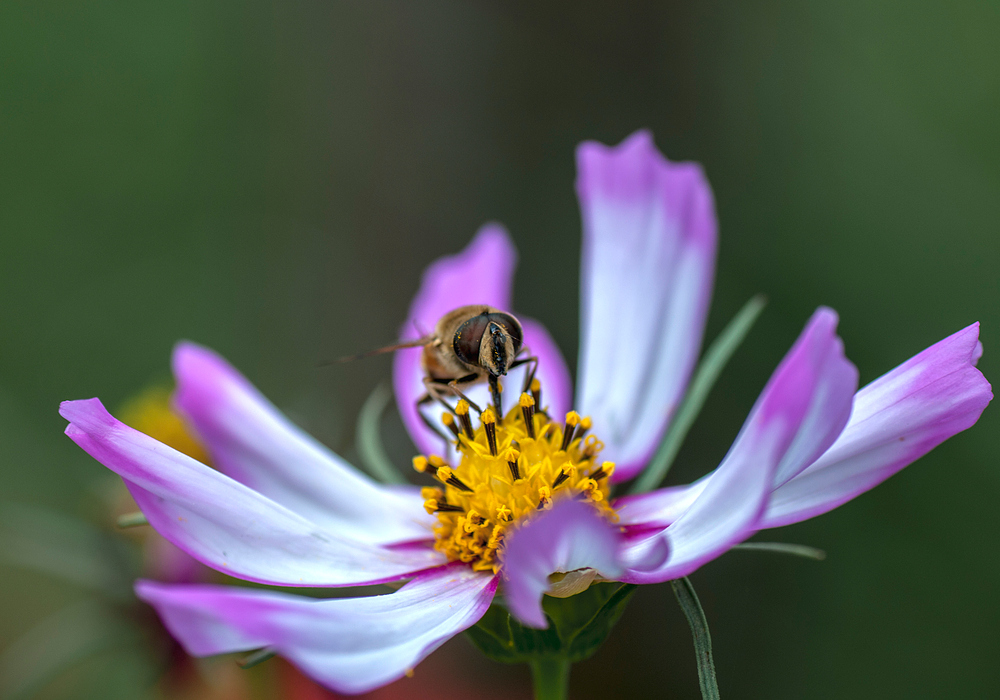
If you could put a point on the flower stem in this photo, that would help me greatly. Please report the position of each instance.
(702, 639)
(550, 676)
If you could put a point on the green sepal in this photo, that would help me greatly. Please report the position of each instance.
(578, 625)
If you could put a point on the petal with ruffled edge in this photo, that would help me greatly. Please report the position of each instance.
(897, 418)
(251, 441)
(649, 240)
(797, 414)
(351, 645)
(225, 524)
(480, 274)
(569, 537)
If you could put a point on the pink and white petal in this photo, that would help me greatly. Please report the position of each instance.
(350, 645)
(481, 274)
(568, 537)
(250, 440)
(897, 419)
(734, 495)
(225, 524)
(649, 240)
(659, 508)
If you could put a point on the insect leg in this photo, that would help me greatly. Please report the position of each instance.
(423, 401)
(467, 379)
(530, 374)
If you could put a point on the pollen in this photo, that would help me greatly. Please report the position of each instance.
(508, 470)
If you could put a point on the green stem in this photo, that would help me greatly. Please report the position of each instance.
(550, 676)
(702, 639)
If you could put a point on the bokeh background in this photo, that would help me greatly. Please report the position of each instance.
(270, 179)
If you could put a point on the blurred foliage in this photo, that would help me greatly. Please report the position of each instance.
(270, 179)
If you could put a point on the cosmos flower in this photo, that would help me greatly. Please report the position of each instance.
(523, 495)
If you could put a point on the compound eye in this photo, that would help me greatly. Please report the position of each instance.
(468, 338)
(511, 325)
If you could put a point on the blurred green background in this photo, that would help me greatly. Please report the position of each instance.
(270, 179)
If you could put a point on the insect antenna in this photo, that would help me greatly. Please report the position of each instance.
(380, 351)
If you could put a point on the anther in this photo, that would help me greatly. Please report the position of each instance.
(585, 424)
(564, 473)
(536, 392)
(490, 426)
(420, 464)
(462, 411)
(511, 455)
(449, 423)
(447, 475)
(607, 469)
(528, 412)
(432, 505)
(572, 420)
(429, 492)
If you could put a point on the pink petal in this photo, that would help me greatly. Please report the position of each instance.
(649, 239)
(480, 274)
(351, 645)
(571, 536)
(251, 441)
(897, 418)
(225, 524)
(799, 411)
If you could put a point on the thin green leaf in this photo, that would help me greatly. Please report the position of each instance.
(702, 639)
(798, 550)
(368, 438)
(711, 366)
(132, 520)
(257, 657)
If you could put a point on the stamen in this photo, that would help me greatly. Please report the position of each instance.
(462, 411)
(449, 423)
(432, 505)
(510, 468)
(429, 492)
(490, 426)
(564, 473)
(420, 464)
(572, 420)
(512, 456)
(607, 469)
(528, 412)
(447, 475)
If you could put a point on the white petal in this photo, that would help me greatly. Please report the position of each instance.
(224, 523)
(251, 441)
(649, 239)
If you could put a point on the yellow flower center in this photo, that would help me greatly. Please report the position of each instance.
(509, 470)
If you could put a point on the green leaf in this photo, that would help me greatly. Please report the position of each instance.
(702, 639)
(578, 625)
(798, 550)
(708, 372)
(368, 437)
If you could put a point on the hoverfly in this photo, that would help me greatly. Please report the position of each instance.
(469, 345)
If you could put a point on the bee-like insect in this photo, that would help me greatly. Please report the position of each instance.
(469, 345)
